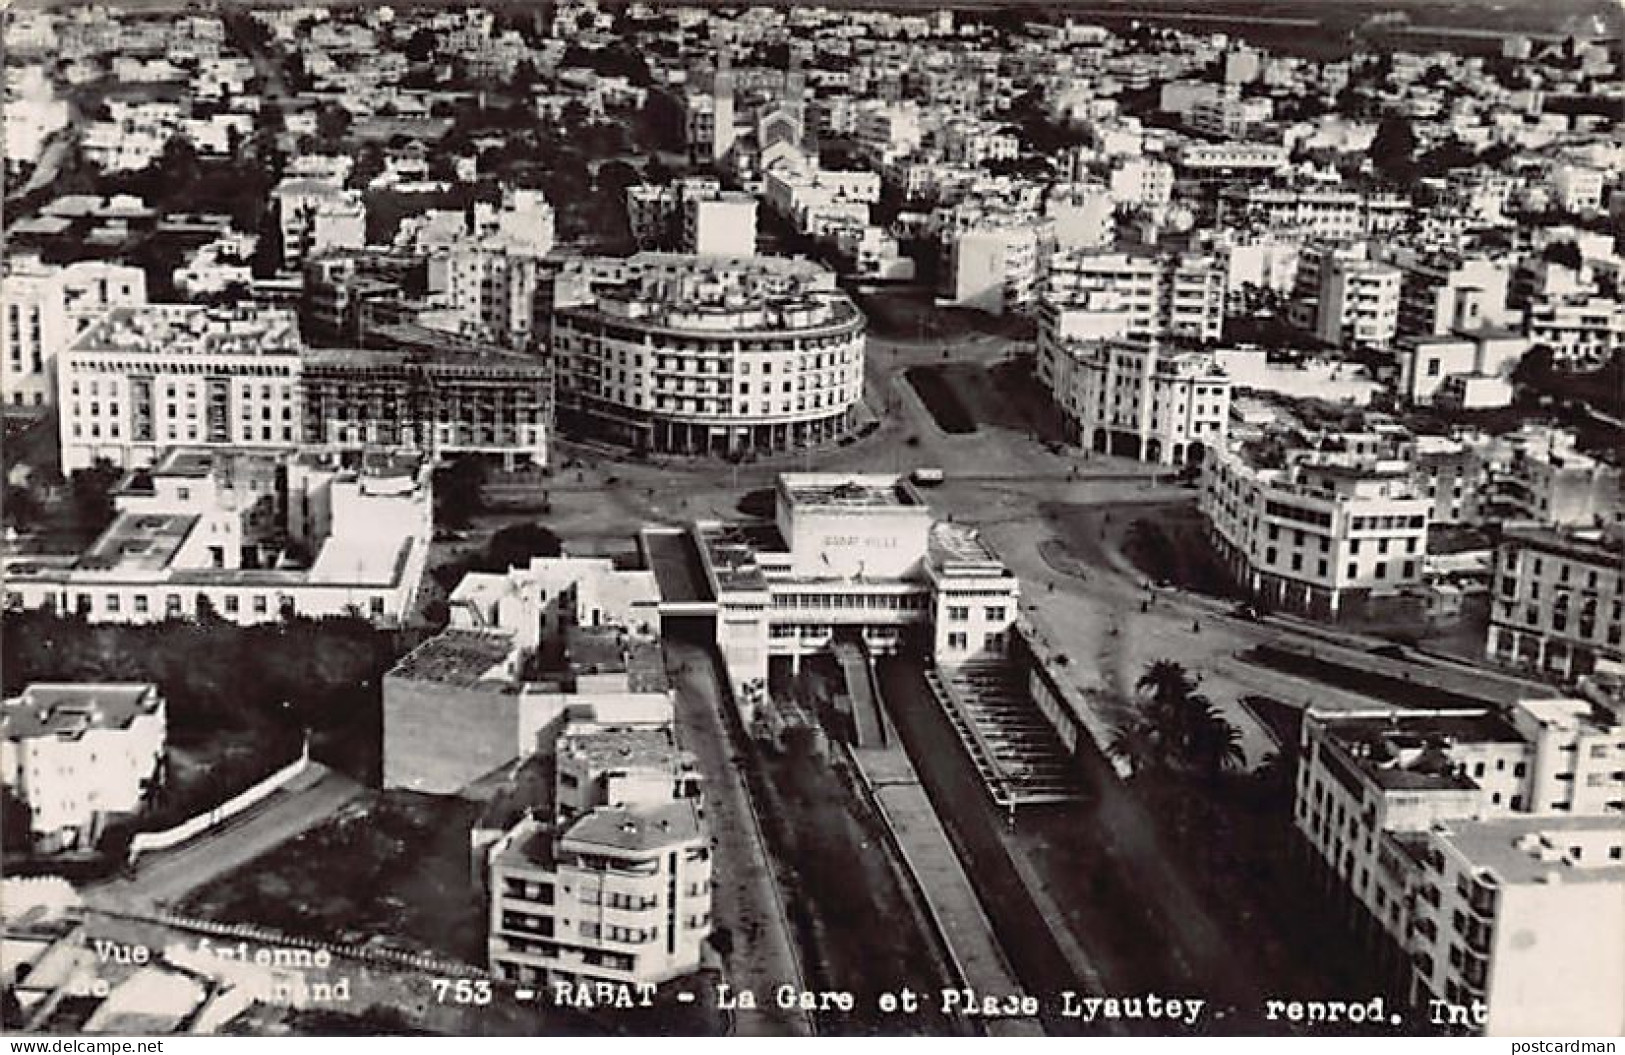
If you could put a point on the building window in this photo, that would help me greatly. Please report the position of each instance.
(141, 603)
(995, 614)
(232, 603)
(957, 641)
(958, 613)
(260, 604)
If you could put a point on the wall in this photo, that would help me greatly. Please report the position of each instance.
(191, 829)
(440, 738)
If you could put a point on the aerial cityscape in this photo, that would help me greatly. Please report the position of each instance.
(604, 518)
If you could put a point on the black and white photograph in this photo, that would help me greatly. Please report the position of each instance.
(619, 519)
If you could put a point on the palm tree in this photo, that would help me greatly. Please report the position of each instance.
(1165, 680)
(1187, 729)
(1140, 744)
(1214, 746)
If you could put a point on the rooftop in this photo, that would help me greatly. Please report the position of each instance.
(460, 658)
(1399, 751)
(1603, 546)
(958, 544)
(68, 710)
(732, 556)
(848, 492)
(138, 542)
(675, 561)
(1539, 848)
(182, 330)
(621, 748)
(638, 828)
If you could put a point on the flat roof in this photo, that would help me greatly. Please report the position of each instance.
(958, 543)
(732, 557)
(139, 542)
(622, 747)
(460, 658)
(1411, 752)
(67, 710)
(639, 828)
(674, 558)
(1513, 847)
(832, 491)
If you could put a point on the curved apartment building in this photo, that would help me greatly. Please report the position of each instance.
(705, 355)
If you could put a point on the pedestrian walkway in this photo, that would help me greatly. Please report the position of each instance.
(941, 880)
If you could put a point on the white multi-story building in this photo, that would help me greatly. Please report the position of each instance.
(1159, 296)
(1315, 533)
(317, 216)
(1141, 183)
(147, 378)
(43, 308)
(1313, 211)
(1137, 397)
(619, 894)
(1469, 837)
(1555, 604)
(1444, 292)
(848, 557)
(1427, 363)
(1358, 304)
(1547, 479)
(1205, 159)
(706, 354)
(992, 263)
(73, 754)
(693, 215)
(207, 533)
(1577, 188)
(1582, 332)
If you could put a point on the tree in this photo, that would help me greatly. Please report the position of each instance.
(457, 491)
(515, 545)
(22, 509)
(1566, 254)
(420, 46)
(1535, 369)
(332, 123)
(1179, 726)
(93, 494)
(1393, 149)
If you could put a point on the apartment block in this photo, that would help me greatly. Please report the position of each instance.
(1468, 837)
(74, 755)
(1139, 398)
(1315, 533)
(43, 308)
(1556, 602)
(1168, 296)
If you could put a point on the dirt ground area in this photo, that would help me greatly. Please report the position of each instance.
(395, 863)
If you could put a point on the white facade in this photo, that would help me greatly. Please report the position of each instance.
(1320, 528)
(622, 894)
(185, 545)
(1473, 839)
(856, 556)
(1358, 304)
(1556, 602)
(1162, 296)
(1167, 406)
(707, 354)
(317, 217)
(144, 379)
(1582, 332)
(72, 754)
(43, 308)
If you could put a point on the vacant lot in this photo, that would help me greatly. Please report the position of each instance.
(396, 864)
